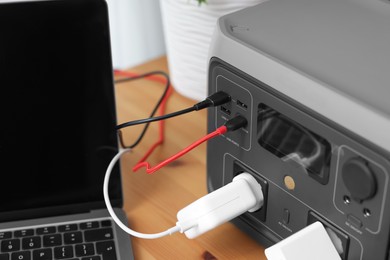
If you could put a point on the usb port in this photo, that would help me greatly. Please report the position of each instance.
(242, 105)
(225, 110)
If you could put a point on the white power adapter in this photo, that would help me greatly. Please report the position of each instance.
(242, 194)
(311, 242)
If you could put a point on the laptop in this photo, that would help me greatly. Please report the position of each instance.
(57, 133)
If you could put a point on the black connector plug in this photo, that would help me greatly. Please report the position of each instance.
(236, 123)
(216, 99)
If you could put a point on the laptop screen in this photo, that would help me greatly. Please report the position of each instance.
(57, 106)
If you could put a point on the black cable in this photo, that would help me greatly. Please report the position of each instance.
(215, 99)
(168, 83)
(157, 118)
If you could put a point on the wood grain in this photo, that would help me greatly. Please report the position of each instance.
(152, 201)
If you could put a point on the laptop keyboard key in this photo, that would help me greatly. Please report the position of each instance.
(24, 233)
(52, 240)
(42, 254)
(4, 256)
(73, 237)
(46, 230)
(10, 245)
(106, 249)
(89, 225)
(98, 234)
(5, 235)
(85, 250)
(68, 227)
(106, 223)
(63, 252)
(31, 242)
(95, 257)
(23, 255)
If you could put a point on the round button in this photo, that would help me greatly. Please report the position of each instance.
(359, 179)
(289, 182)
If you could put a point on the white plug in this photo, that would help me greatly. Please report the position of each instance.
(242, 194)
(311, 242)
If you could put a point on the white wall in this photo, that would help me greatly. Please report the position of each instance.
(136, 31)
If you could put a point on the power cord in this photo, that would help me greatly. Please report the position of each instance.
(242, 194)
(111, 211)
(216, 99)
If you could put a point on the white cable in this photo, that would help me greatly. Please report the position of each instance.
(112, 213)
(242, 194)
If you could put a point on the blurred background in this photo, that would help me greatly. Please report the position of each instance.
(136, 32)
(142, 30)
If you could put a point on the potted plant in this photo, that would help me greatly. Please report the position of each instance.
(188, 28)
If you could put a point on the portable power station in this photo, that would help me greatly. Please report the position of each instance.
(312, 78)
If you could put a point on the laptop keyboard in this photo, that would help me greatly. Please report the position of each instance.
(92, 240)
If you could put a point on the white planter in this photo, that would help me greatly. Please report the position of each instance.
(188, 29)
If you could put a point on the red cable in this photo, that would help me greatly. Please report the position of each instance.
(219, 131)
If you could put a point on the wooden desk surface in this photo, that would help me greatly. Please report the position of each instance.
(152, 201)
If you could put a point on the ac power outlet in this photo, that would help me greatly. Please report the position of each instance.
(341, 236)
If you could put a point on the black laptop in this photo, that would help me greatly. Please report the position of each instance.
(57, 135)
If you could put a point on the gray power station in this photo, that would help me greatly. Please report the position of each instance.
(312, 77)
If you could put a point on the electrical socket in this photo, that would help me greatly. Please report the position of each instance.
(339, 238)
